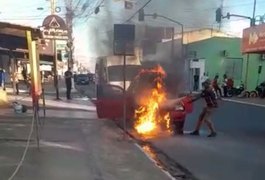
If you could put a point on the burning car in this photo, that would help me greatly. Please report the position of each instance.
(149, 106)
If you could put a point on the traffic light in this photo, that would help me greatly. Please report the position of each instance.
(141, 15)
(128, 5)
(59, 55)
(218, 15)
(96, 11)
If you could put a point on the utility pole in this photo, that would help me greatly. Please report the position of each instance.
(247, 67)
(55, 72)
(52, 6)
(254, 9)
(69, 23)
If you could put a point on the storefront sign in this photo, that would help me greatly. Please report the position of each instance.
(254, 39)
(54, 27)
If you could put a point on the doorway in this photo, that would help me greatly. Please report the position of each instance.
(197, 69)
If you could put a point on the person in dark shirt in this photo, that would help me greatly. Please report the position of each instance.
(225, 87)
(1, 77)
(205, 116)
(68, 82)
(196, 82)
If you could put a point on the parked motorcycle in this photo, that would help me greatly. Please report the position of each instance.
(259, 91)
(235, 91)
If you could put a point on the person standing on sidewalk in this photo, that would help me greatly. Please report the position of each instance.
(4, 79)
(68, 82)
(216, 87)
(16, 82)
(225, 87)
(196, 79)
(204, 78)
(206, 114)
(1, 77)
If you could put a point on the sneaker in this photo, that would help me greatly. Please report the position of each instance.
(213, 134)
(195, 133)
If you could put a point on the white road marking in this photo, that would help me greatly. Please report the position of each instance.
(242, 102)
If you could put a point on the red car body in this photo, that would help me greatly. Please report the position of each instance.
(109, 105)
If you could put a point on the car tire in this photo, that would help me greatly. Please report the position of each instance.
(247, 95)
(178, 127)
(230, 93)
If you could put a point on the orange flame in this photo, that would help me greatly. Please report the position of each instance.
(148, 117)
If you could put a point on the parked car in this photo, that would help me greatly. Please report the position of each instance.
(109, 102)
(91, 77)
(82, 79)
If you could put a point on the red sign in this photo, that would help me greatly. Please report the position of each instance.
(254, 39)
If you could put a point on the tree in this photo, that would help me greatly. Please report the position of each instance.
(76, 10)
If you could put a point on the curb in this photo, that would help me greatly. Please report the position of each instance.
(246, 103)
(167, 164)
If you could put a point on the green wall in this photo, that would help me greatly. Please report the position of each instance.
(211, 50)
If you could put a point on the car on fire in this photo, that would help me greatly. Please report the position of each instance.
(109, 102)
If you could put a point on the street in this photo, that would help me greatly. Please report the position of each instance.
(87, 90)
(238, 152)
(102, 90)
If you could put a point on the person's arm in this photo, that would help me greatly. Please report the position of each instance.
(213, 98)
(195, 97)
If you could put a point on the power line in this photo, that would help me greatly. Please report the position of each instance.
(225, 7)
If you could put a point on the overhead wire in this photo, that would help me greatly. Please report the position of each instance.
(93, 8)
(225, 7)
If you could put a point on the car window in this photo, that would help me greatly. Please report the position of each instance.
(110, 91)
(115, 73)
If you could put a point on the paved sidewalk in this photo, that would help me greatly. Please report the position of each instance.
(50, 102)
(74, 146)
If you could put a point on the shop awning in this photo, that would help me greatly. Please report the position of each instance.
(13, 37)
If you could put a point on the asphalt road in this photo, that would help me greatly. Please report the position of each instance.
(87, 90)
(238, 152)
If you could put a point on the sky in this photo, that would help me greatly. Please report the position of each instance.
(91, 33)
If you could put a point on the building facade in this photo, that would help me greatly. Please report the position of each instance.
(222, 55)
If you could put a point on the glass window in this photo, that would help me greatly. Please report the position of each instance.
(115, 73)
(233, 68)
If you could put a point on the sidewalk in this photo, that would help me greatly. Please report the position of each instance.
(248, 101)
(74, 146)
(51, 103)
(49, 89)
